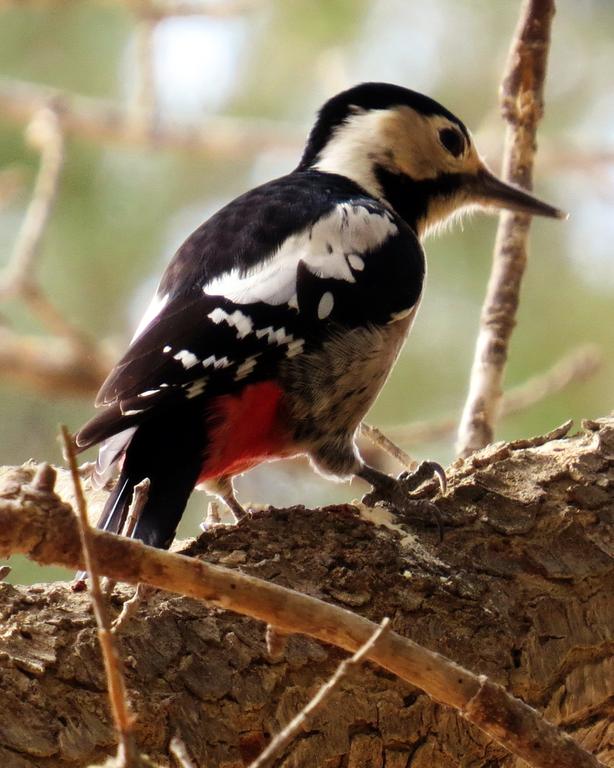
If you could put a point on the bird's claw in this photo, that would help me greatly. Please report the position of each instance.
(395, 492)
(425, 471)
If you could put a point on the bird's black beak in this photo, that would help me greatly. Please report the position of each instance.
(486, 189)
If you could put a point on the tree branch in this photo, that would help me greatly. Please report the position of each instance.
(578, 365)
(522, 107)
(100, 121)
(42, 527)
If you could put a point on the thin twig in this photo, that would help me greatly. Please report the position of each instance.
(267, 757)
(522, 107)
(578, 365)
(377, 437)
(131, 606)
(122, 715)
(139, 499)
(45, 134)
(53, 365)
(19, 277)
(105, 122)
(145, 102)
(50, 534)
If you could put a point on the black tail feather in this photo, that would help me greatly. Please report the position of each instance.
(115, 510)
(168, 450)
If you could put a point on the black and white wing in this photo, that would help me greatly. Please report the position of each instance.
(354, 264)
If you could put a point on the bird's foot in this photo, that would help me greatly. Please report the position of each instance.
(396, 492)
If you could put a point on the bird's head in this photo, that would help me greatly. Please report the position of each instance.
(411, 152)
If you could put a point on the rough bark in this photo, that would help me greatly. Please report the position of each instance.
(520, 590)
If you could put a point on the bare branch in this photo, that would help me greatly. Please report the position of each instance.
(145, 102)
(123, 717)
(101, 121)
(378, 438)
(268, 756)
(45, 134)
(577, 366)
(53, 365)
(49, 534)
(522, 107)
(139, 499)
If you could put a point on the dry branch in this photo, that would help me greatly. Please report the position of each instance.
(522, 108)
(127, 753)
(45, 135)
(45, 529)
(52, 365)
(577, 366)
(105, 122)
(70, 362)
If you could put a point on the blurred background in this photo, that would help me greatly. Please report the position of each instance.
(172, 114)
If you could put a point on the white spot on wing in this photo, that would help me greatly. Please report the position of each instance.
(153, 310)
(275, 335)
(348, 229)
(356, 262)
(237, 319)
(186, 358)
(212, 360)
(166, 349)
(325, 307)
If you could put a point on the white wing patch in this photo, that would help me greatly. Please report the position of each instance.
(275, 335)
(186, 358)
(330, 248)
(153, 310)
(325, 307)
(212, 360)
(236, 319)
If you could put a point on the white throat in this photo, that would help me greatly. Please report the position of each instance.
(352, 151)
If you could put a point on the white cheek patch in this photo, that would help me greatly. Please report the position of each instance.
(153, 310)
(325, 249)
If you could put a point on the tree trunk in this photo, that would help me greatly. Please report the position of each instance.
(520, 590)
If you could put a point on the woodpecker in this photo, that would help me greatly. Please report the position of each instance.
(278, 320)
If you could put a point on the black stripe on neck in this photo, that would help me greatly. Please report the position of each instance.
(410, 198)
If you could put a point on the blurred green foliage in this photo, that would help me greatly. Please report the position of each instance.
(122, 211)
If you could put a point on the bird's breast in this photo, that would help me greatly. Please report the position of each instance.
(330, 389)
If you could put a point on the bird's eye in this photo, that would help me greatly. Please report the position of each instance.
(452, 140)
